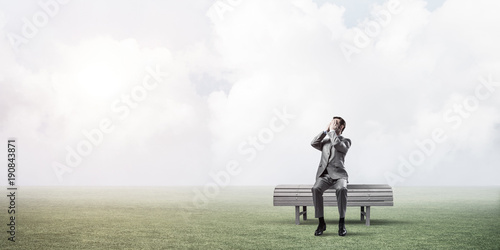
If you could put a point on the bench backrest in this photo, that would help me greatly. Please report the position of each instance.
(357, 195)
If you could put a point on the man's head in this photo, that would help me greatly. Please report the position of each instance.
(340, 122)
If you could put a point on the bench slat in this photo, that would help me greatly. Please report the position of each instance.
(293, 202)
(352, 186)
(330, 190)
(331, 194)
(349, 204)
(377, 198)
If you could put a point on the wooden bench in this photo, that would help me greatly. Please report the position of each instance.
(362, 195)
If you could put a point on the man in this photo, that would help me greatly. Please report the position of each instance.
(331, 171)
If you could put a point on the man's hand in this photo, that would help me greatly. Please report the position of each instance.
(333, 125)
(328, 127)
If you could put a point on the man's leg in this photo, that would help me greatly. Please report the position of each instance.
(341, 193)
(319, 187)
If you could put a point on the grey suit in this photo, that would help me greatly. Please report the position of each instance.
(331, 171)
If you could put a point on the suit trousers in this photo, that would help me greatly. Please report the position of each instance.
(322, 184)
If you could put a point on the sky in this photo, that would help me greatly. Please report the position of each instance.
(231, 92)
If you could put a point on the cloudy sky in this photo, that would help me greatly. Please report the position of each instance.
(221, 92)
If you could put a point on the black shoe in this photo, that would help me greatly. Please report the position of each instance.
(319, 230)
(342, 230)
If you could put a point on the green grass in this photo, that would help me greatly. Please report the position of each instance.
(244, 218)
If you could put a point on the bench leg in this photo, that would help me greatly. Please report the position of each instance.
(367, 215)
(304, 211)
(297, 215)
(362, 213)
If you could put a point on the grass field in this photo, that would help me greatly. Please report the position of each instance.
(244, 218)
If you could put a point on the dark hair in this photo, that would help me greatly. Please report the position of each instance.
(342, 122)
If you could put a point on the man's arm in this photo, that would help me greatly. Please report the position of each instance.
(340, 145)
(317, 142)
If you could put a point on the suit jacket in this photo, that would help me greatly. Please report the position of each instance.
(333, 151)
